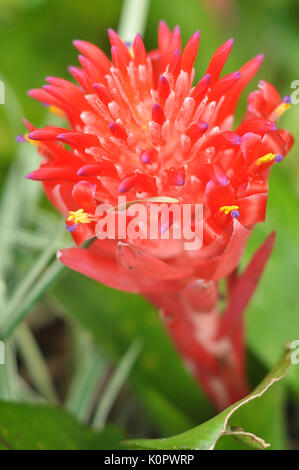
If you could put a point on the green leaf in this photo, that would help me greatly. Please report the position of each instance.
(263, 417)
(272, 317)
(45, 427)
(158, 405)
(206, 436)
(115, 319)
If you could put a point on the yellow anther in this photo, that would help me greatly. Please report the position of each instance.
(228, 209)
(281, 108)
(269, 157)
(31, 141)
(79, 217)
(57, 111)
(131, 52)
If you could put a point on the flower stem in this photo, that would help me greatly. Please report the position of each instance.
(133, 19)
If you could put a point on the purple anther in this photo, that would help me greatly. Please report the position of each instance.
(235, 213)
(278, 158)
(71, 228)
(20, 138)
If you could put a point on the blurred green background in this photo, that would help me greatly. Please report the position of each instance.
(78, 346)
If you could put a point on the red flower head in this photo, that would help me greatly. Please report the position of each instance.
(139, 127)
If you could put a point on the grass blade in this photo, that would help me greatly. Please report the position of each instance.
(85, 384)
(133, 19)
(35, 363)
(36, 270)
(9, 322)
(116, 383)
(9, 389)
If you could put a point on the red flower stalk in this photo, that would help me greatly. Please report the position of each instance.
(137, 126)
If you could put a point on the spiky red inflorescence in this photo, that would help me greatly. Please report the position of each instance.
(138, 126)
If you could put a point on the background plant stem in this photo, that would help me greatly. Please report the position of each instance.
(133, 19)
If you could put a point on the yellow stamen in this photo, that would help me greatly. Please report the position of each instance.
(269, 157)
(228, 209)
(57, 111)
(131, 52)
(281, 108)
(79, 217)
(31, 141)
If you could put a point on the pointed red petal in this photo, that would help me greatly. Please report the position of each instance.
(233, 251)
(218, 60)
(48, 174)
(94, 54)
(201, 88)
(79, 139)
(164, 35)
(120, 45)
(139, 50)
(247, 73)
(46, 133)
(190, 52)
(99, 262)
(103, 168)
(223, 86)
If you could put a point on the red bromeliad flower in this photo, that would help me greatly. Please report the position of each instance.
(138, 126)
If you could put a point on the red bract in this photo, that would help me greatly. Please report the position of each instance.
(138, 126)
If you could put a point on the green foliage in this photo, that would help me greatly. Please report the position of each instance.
(115, 319)
(227, 423)
(44, 427)
(273, 313)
